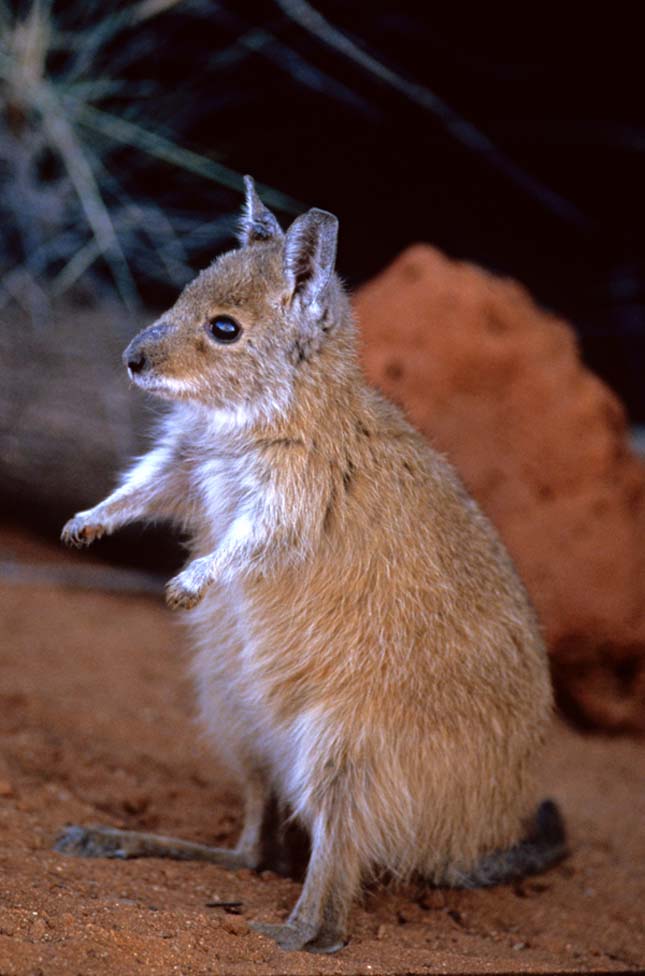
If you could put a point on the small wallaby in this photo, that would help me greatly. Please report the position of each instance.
(366, 657)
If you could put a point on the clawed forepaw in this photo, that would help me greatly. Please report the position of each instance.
(179, 596)
(78, 533)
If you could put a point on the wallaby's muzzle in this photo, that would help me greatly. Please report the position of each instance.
(144, 351)
(134, 360)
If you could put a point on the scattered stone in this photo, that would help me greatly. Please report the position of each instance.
(38, 929)
(235, 925)
(230, 907)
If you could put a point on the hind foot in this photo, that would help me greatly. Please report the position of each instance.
(295, 937)
(123, 844)
(91, 842)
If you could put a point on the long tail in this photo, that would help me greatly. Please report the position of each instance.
(544, 845)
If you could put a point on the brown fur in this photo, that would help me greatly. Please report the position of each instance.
(364, 648)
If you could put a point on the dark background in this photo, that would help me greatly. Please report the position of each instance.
(530, 162)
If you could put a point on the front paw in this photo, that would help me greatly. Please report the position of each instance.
(183, 593)
(81, 531)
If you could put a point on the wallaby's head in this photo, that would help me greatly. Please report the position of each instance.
(242, 330)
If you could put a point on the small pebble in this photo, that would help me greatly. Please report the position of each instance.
(38, 928)
(6, 789)
(234, 925)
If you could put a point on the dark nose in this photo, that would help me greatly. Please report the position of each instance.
(136, 362)
(134, 359)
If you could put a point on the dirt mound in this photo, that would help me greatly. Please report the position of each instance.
(498, 385)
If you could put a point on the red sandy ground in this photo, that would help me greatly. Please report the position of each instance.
(96, 727)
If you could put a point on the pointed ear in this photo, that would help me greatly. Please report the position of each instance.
(257, 223)
(310, 254)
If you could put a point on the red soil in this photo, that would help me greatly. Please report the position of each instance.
(96, 727)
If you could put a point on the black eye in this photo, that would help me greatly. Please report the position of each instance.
(224, 329)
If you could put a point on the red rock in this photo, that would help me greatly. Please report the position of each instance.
(497, 384)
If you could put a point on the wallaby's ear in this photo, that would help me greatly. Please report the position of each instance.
(257, 222)
(310, 253)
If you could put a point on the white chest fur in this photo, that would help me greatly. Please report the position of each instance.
(223, 475)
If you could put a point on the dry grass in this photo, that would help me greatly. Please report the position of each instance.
(67, 214)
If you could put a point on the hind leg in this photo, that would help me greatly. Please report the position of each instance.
(285, 845)
(111, 842)
(318, 922)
